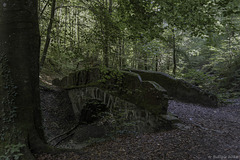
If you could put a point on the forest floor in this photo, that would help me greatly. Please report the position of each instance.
(207, 133)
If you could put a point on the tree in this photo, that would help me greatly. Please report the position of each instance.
(48, 34)
(20, 118)
(108, 29)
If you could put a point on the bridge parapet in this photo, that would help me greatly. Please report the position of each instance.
(180, 89)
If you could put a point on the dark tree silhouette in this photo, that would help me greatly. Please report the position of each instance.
(20, 116)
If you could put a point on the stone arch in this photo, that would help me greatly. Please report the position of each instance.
(144, 120)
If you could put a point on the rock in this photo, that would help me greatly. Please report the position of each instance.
(181, 126)
(171, 118)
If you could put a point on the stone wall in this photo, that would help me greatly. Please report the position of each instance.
(143, 120)
(78, 78)
(179, 89)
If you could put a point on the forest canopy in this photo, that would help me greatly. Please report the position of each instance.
(190, 39)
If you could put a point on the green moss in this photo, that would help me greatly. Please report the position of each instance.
(92, 84)
(180, 89)
(9, 108)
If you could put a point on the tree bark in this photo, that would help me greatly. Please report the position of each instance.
(120, 53)
(168, 63)
(19, 79)
(20, 115)
(174, 54)
(65, 29)
(123, 54)
(145, 61)
(48, 34)
(110, 7)
(105, 51)
(156, 63)
(107, 33)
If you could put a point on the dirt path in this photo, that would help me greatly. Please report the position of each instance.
(207, 133)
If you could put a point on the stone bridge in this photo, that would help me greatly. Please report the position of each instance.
(141, 96)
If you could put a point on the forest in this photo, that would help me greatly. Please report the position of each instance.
(119, 79)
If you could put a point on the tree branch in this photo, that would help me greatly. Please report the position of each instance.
(43, 9)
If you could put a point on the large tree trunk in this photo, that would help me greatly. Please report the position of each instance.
(20, 115)
(19, 79)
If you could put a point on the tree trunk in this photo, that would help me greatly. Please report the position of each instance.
(145, 61)
(20, 114)
(19, 78)
(229, 34)
(168, 63)
(65, 29)
(59, 27)
(78, 33)
(120, 53)
(123, 54)
(105, 51)
(48, 34)
(110, 7)
(174, 54)
(40, 16)
(156, 63)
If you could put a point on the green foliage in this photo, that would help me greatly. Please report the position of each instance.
(112, 76)
(201, 79)
(85, 30)
(139, 34)
(12, 152)
(117, 121)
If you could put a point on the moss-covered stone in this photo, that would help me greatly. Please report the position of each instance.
(180, 89)
(125, 85)
(143, 102)
(144, 119)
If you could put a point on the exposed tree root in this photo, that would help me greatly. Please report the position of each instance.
(37, 146)
(207, 129)
(62, 139)
(67, 133)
